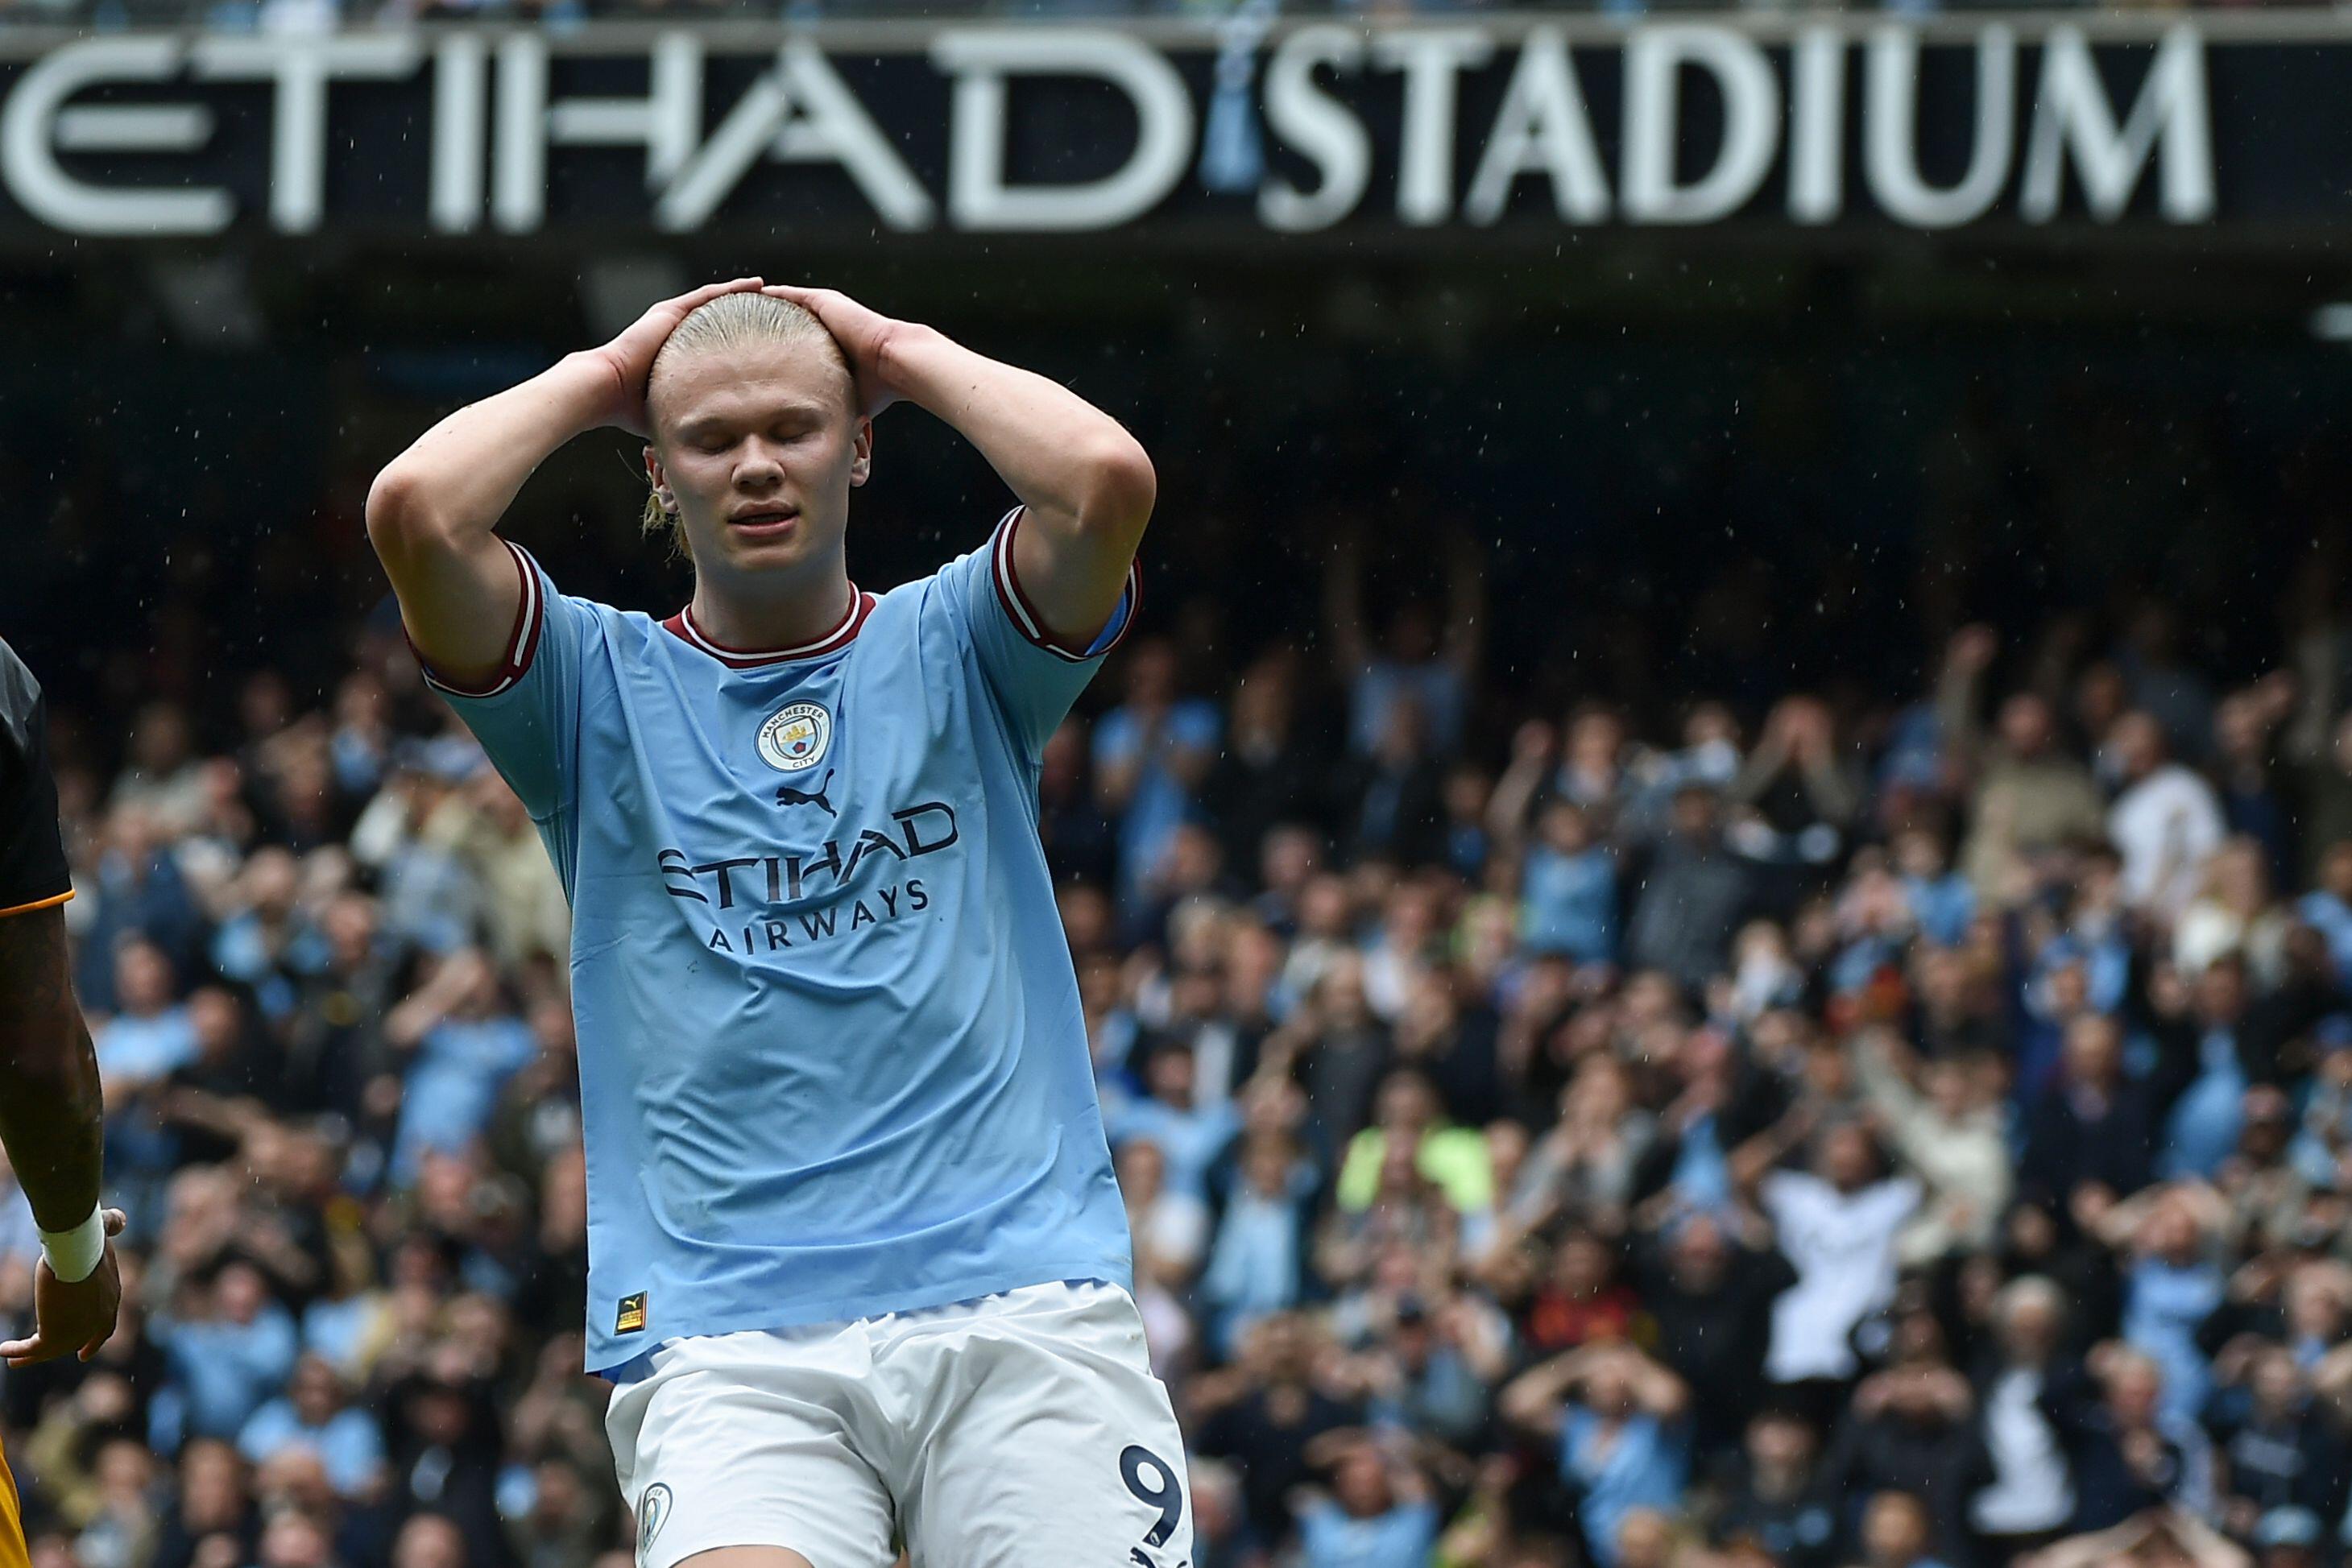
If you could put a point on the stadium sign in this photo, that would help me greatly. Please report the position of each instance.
(1519, 124)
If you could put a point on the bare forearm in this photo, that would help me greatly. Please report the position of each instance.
(1085, 484)
(459, 477)
(50, 1107)
(1066, 459)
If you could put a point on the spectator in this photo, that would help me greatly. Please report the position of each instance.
(149, 1036)
(2166, 819)
(463, 1045)
(215, 1520)
(1265, 1411)
(1429, 666)
(2122, 1457)
(1837, 1224)
(2028, 1498)
(2093, 1131)
(1189, 1135)
(1894, 1532)
(1795, 797)
(1257, 1264)
(1618, 1418)
(2029, 798)
(1951, 1137)
(1569, 878)
(1151, 755)
(2171, 1283)
(1775, 1496)
(1379, 1515)
(1431, 1377)
(2280, 1449)
(312, 1416)
(1407, 1118)
(1270, 772)
(1399, 788)
(232, 1351)
(1697, 893)
(1711, 1296)
(1907, 1434)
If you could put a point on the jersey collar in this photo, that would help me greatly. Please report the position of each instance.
(844, 633)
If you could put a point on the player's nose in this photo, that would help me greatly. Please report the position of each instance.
(759, 469)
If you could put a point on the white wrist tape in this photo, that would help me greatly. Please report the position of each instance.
(74, 1254)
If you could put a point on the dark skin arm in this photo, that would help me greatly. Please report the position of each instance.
(51, 1120)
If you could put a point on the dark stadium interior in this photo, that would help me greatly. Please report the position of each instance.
(1856, 451)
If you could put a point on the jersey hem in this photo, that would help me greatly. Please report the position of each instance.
(856, 1308)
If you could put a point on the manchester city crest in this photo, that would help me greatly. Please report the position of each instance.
(795, 737)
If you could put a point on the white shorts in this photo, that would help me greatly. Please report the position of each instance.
(1021, 1428)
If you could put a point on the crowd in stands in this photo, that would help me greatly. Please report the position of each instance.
(1797, 1134)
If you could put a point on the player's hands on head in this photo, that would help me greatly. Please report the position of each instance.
(863, 334)
(631, 355)
(77, 1318)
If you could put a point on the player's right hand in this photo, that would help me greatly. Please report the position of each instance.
(79, 1317)
(631, 355)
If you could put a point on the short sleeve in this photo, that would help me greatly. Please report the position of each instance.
(1033, 676)
(528, 716)
(33, 872)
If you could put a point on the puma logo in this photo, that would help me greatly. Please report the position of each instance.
(788, 796)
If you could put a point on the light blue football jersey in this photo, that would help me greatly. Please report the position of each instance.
(831, 1060)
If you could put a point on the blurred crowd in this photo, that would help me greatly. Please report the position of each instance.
(1806, 1131)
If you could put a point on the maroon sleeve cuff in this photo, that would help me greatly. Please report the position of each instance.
(1031, 625)
(521, 645)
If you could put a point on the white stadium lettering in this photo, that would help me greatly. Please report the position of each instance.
(494, 108)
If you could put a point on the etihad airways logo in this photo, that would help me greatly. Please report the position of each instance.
(772, 900)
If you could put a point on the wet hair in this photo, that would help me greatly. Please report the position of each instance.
(731, 321)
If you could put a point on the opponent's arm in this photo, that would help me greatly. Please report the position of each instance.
(432, 512)
(50, 1122)
(49, 1104)
(1085, 484)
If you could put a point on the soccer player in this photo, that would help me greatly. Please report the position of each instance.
(857, 1265)
(50, 1109)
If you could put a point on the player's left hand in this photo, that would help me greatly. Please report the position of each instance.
(863, 335)
(78, 1317)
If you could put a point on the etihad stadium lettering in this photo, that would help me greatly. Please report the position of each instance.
(1523, 123)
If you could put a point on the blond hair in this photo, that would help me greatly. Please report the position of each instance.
(731, 322)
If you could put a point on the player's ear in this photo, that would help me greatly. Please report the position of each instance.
(662, 495)
(862, 465)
